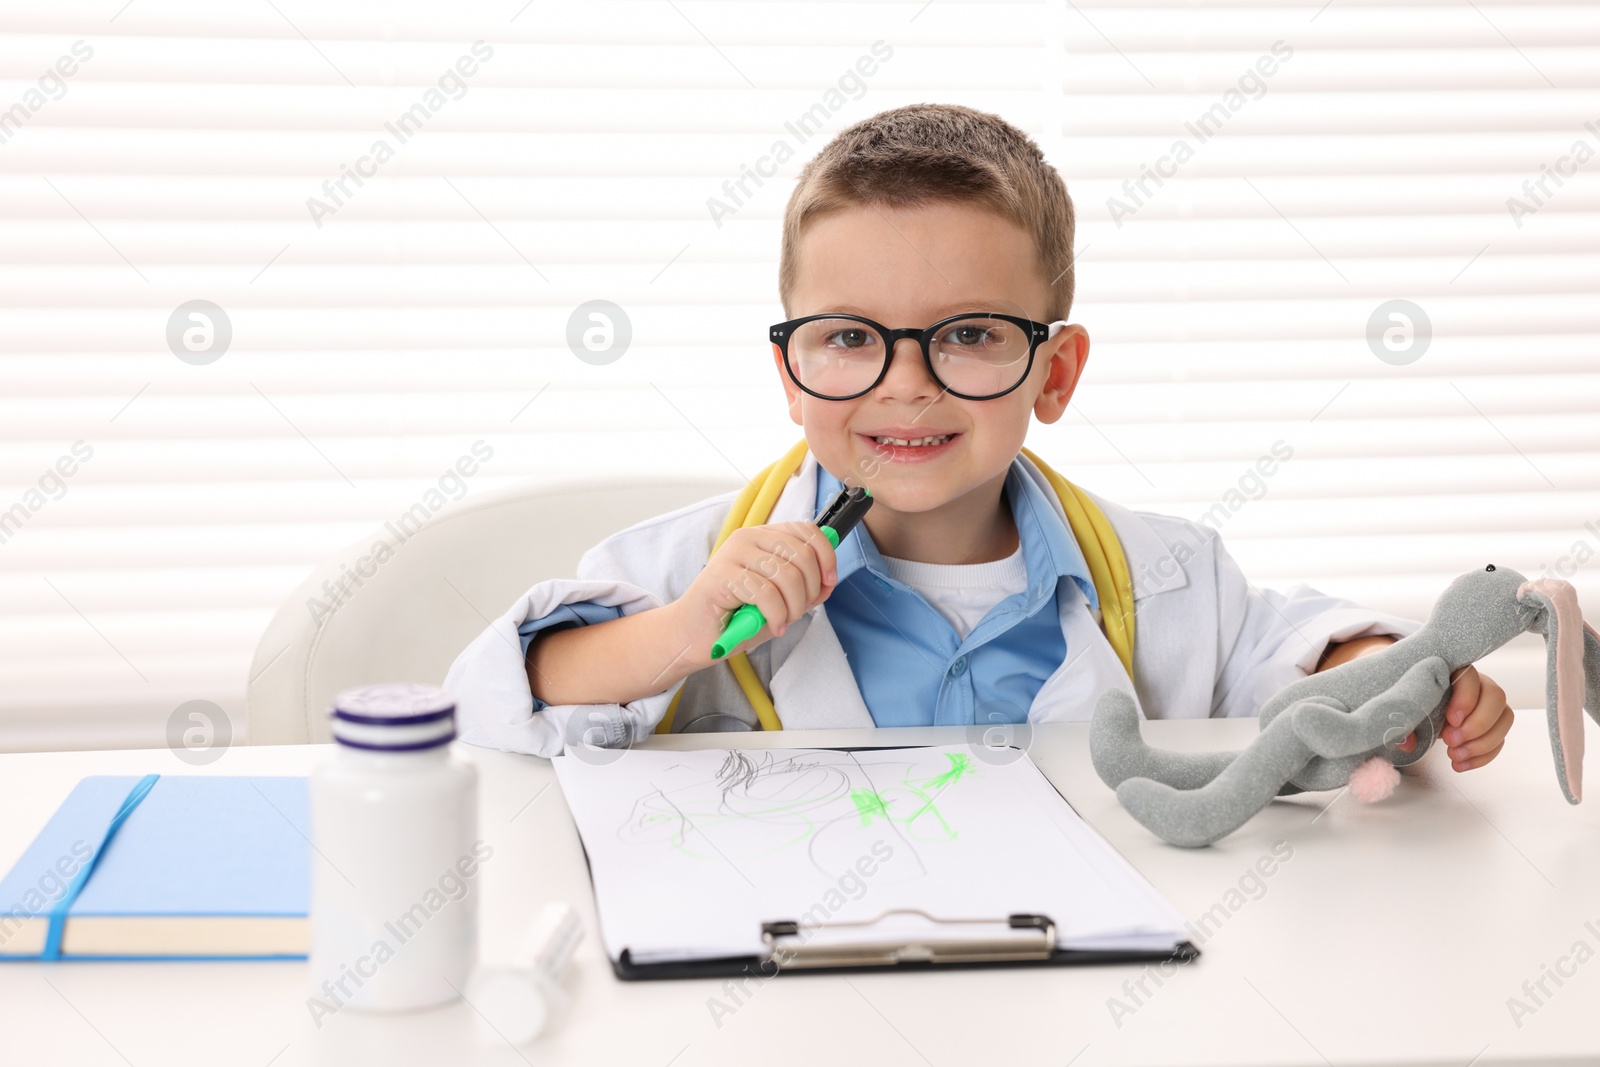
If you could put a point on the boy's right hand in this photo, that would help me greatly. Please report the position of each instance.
(783, 568)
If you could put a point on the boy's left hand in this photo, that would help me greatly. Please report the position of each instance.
(1476, 719)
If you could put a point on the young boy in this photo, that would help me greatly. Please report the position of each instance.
(963, 598)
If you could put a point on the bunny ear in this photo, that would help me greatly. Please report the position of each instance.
(1565, 685)
(1591, 670)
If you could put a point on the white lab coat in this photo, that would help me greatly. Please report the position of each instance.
(1206, 642)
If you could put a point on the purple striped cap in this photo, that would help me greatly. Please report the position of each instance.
(394, 717)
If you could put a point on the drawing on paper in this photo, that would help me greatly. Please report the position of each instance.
(758, 804)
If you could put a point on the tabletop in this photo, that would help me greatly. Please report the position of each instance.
(1450, 924)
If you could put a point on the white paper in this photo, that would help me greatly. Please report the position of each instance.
(691, 852)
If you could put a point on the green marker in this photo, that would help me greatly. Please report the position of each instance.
(836, 521)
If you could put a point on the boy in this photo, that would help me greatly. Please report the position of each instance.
(963, 597)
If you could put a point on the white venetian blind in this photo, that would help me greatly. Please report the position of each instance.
(425, 307)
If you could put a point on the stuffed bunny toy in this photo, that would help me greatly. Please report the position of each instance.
(1340, 727)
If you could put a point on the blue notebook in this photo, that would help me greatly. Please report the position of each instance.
(198, 867)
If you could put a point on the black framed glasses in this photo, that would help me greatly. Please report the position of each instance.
(974, 356)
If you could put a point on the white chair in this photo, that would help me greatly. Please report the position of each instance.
(413, 613)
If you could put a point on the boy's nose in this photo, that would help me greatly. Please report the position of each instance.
(908, 377)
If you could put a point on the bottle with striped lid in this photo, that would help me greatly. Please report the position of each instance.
(395, 866)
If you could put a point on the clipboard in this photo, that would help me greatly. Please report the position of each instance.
(1017, 940)
(902, 935)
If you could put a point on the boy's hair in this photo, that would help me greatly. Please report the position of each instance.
(930, 152)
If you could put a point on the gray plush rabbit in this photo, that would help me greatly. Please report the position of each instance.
(1341, 726)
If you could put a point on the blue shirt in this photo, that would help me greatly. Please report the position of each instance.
(910, 665)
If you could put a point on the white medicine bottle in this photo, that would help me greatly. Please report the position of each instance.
(394, 871)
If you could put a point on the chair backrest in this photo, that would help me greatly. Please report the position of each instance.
(401, 604)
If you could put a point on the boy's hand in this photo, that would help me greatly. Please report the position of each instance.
(779, 568)
(783, 568)
(1476, 719)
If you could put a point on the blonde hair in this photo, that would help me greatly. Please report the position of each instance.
(919, 153)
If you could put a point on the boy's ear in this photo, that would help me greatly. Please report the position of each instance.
(791, 390)
(1064, 355)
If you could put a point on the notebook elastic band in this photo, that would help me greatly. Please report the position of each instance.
(58, 913)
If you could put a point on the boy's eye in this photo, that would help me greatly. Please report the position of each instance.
(850, 338)
(985, 339)
(966, 336)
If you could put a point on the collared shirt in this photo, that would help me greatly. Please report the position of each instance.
(963, 592)
(911, 666)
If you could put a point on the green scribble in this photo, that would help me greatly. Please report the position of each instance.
(960, 767)
(868, 804)
(926, 807)
(786, 802)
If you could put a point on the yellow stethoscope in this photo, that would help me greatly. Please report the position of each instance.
(1108, 567)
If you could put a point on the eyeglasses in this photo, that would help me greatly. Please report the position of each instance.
(971, 356)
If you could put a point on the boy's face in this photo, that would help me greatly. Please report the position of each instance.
(911, 267)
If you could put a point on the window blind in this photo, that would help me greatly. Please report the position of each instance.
(391, 214)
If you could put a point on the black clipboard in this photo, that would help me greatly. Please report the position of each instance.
(901, 956)
(1027, 940)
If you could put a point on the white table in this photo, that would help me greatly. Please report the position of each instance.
(1393, 934)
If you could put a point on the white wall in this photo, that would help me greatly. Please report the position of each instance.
(373, 345)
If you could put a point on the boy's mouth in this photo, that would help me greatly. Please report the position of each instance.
(900, 449)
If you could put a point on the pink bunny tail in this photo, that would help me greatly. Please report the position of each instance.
(1374, 780)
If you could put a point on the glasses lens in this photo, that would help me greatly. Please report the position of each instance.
(835, 357)
(980, 356)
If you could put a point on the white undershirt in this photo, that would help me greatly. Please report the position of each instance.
(963, 592)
